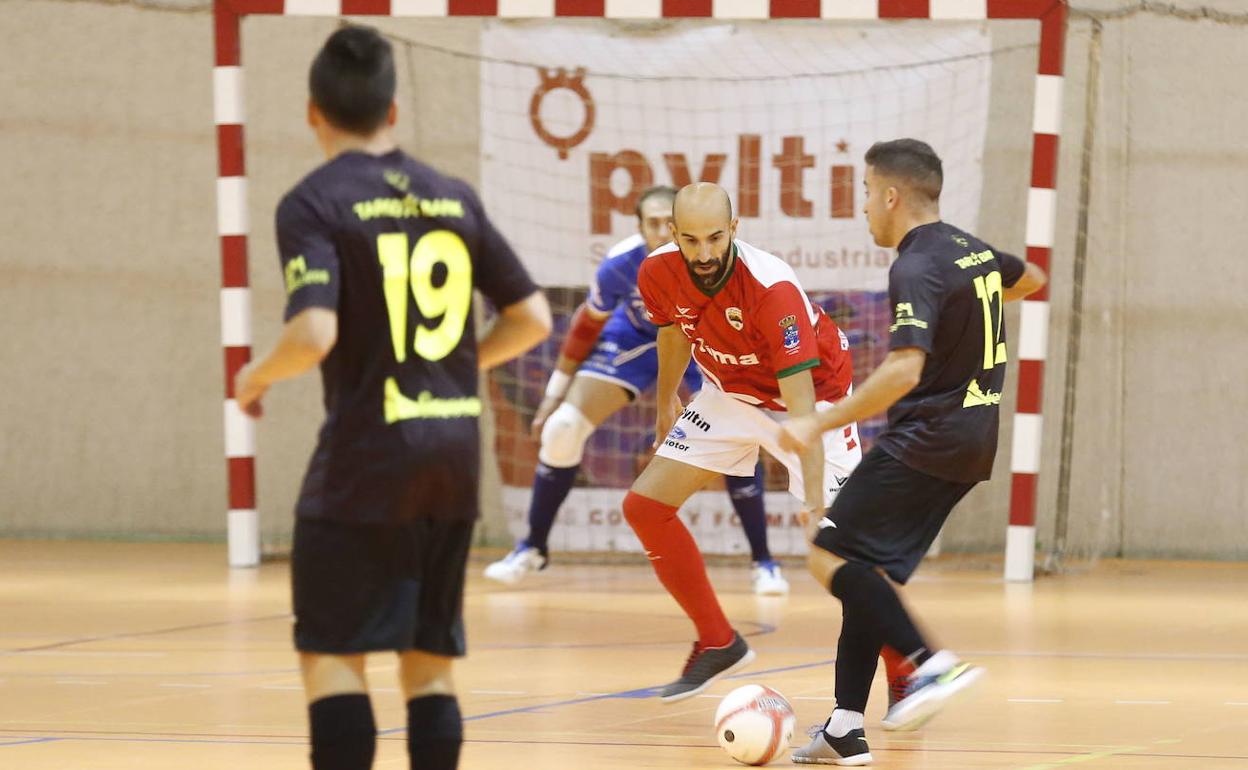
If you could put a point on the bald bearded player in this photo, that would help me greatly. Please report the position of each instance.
(764, 351)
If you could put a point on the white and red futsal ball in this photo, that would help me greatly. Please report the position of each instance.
(754, 724)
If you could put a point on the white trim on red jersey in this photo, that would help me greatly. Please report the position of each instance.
(669, 246)
(763, 266)
(769, 270)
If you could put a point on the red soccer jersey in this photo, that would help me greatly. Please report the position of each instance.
(756, 329)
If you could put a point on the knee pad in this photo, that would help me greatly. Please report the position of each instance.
(564, 436)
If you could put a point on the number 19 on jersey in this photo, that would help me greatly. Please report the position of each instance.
(450, 301)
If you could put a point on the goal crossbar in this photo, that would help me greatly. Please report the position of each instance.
(243, 524)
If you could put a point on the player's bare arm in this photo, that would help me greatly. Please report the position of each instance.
(520, 327)
(1031, 281)
(895, 377)
(587, 325)
(674, 353)
(305, 340)
(798, 392)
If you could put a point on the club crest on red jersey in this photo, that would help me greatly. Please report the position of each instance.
(735, 319)
(791, 338)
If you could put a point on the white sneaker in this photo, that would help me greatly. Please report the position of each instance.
(512, 568)
(927, 694)
(767, 579)
(849, 750)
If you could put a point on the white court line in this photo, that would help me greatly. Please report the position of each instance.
(498, 692)
(1034, 700)
(813, 697)
(92, 682)
(1229, 702)
(185, 685)
(281, 687)
(1142, 702)
(716, 697)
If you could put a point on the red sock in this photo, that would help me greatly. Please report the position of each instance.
(895, 664)
(678, 563)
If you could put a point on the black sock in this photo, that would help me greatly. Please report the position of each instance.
(435, 731)
(344, 735)
(857, 652)
(871, 595)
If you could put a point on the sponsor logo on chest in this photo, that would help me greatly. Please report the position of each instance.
(726, 359)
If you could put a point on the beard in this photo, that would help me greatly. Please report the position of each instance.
(702, 273)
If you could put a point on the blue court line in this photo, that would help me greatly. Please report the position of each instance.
(25, 741)
(760, 629)
(138, 634)
(643, 692)
(798, 667)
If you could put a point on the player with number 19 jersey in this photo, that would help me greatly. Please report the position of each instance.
(757, 328)
(396, 249)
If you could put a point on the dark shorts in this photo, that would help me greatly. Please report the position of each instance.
(888, 514)
(373, 587)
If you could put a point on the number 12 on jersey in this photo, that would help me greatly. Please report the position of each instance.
(450, 301)
(985, 287)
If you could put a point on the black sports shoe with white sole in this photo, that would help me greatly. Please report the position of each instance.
(705, 665)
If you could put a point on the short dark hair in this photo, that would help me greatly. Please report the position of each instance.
(352, 79)
(661, 190)
(909, 159)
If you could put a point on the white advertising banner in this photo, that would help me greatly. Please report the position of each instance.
(577, 119)
(591, 520)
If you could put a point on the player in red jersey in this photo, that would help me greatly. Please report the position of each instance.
(763, 349)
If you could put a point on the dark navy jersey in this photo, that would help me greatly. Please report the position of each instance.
(396, 249)
(946, 294)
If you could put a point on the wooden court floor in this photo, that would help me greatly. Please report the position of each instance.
(157, 656)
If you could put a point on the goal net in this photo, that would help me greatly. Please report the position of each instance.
(578, 118)
(562, 122)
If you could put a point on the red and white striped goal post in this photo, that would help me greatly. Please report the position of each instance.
(232, 225)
